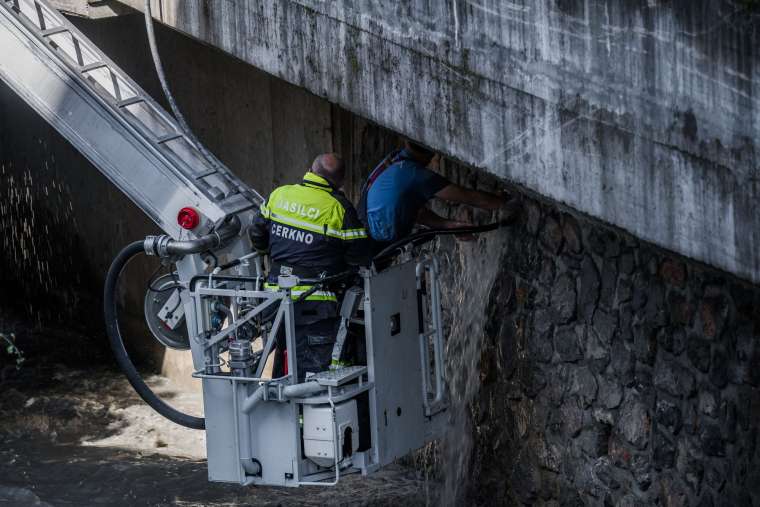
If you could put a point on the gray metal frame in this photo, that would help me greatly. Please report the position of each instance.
(257, 418)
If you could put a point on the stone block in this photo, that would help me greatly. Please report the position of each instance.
(714, 476)
(571, 417)
(531, 378)
(609, 276)
(672, 493)
(674, 379)
(626, 263)
(680, 309)
(564, 300)
(713, 314)
(654, 313)
(610, 391)
(672, 339)
(549, 456)
(572, 235)
(548, 271)
(690, 465)
(640, 291)
(624, 290)
(625, 327)
(745, 371)
(673, 272)
(643, 384)
(668, 415)
(620, 452)
(712, 440)
(597, 351)
(708, 404)
(719, 369)
(634, 423)
(551, 235)
(663, 451)
(590, 285)
(567, 343)
(645, 342)
(641, 468)
(583, 385)
(532, 216)
(623, 362)
(698, 351)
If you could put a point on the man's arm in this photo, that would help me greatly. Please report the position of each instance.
(477, 198)
(430, 219)
(355, 239)
(258, 231)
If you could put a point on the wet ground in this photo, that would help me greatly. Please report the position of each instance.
(82, 437)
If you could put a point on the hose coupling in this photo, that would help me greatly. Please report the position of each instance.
(157, 245)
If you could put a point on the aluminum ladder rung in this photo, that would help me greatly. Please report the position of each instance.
(126, 145)
(128, 102)
(84, 69)
(54, 31)
(168, 137)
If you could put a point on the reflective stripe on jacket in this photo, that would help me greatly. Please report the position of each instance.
(310, 225)
(295, 292)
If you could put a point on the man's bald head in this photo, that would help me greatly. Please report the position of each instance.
(330, 167)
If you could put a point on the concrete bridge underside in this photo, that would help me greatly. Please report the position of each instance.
(642, 114)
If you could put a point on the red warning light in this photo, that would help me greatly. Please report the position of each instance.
(188, 218)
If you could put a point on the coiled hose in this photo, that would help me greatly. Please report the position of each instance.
(120, 352)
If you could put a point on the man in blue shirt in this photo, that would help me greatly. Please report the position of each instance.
(395, 193)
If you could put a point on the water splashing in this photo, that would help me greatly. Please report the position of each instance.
(469, 271)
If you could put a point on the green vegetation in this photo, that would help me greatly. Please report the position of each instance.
(11, 349)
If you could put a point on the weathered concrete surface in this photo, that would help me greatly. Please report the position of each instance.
(643, 114)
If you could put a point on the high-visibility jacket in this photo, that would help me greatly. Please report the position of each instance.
(311, 227)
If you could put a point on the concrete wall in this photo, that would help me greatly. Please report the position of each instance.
(643, 114)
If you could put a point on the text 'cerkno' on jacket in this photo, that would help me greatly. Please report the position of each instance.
(311, 227)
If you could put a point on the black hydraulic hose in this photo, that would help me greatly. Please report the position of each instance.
(120, 352)
(160, 71)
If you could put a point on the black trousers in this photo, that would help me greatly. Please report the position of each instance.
(316, 325)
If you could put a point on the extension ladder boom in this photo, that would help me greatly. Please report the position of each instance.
(113, 122)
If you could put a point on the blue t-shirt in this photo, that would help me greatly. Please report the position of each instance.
(397, 195)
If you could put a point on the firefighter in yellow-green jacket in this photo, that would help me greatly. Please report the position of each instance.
(311, 229)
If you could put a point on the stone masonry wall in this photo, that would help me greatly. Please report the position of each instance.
(614, 373)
